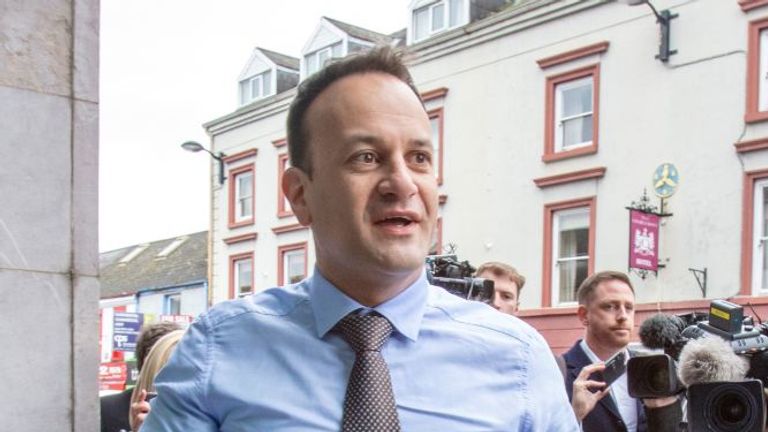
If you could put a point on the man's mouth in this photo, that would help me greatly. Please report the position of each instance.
(399, 221)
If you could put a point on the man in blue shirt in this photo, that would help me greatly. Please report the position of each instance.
(362, 178)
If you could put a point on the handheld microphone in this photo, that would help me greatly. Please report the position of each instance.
(663, 331)
(710, 359)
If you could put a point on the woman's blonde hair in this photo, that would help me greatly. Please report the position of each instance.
(159, 354)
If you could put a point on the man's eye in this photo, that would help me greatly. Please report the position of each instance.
(366, 158)
(422, 158)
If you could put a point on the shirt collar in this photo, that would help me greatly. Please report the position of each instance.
(405, 311)
(592, 356)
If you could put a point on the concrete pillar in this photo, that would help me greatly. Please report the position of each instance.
(49, 286)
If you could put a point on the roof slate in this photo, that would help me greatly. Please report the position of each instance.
(283, 60)
(185, 265)
(360, 33)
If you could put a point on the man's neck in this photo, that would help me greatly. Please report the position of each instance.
(371, 289)
(601, 351)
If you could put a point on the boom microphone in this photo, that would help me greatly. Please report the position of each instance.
(710, 359)
(661, 331)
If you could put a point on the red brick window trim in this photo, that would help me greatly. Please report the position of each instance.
(434, 94)
(289, 228)
(240, 156)
(235, 263)
(750, 146)
(554, 129)
(570, 177)
(572, 55)
(286, 252)
(757, 72)
(240, 198)
(283, 207)
(748, 5)
(241, 238)
(436, 120)
(748, 224)
(282, 142)
(551, 212)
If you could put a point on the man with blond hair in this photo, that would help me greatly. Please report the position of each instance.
(507, 283)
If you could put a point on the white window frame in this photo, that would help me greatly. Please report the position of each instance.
(762, 103)
(257, 87)
(556, 260)
(286, 267)
(236, 274)
(560, 119)
(430, 30)
(239, 215)
(313, 60)
(759, 239)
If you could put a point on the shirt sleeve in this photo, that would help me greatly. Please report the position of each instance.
(180, 404)
(550, 409)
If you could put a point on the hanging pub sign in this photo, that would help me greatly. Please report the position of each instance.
(643, 240)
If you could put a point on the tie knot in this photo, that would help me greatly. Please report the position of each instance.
(365, 332)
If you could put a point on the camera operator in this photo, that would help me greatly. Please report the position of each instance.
(606, 309)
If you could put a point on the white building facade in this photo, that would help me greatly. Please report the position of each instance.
(550, 118)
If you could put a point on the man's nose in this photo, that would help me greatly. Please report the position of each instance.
(399, 180)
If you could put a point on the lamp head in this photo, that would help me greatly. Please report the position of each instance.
(192, 146)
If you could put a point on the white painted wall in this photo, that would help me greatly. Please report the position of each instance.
(688, 112)
(49, 287)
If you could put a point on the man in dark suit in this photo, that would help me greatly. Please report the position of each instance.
(115, 408)
(606, 309)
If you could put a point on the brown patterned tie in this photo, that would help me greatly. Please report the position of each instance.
(369, 405)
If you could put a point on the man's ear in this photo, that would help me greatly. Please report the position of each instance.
(581, 313)
(294, 188)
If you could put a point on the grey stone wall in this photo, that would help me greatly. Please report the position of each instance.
(48, 215)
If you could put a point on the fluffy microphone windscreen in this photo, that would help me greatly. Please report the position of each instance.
(710, 359)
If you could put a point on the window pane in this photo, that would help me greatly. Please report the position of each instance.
(438, 17)
(420, 23)
(294, 266)
(311, 62)
(173, 304)
(266, 83)
(764, 222)
(577, 97)
(436, 141)
(574, 233)
(322, 57)
(244, 93)
(571, 275)
(245, 195)
(244, 276)
(256, 87)
(577, 131)
(456, 8)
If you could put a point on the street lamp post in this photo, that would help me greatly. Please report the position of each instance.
(195, 147)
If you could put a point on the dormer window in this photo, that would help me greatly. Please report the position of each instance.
(430, 18)
(255, 87)
(317, 59)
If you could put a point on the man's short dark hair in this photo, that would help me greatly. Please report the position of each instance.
(150, 334)
(587, 288)
(383, 59)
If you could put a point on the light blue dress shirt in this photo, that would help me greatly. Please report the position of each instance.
(270, 362)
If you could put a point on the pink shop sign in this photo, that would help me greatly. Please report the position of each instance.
(643, 240)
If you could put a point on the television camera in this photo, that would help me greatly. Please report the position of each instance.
(457, 278)
(720, 359)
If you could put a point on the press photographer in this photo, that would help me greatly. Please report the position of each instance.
(713, 360)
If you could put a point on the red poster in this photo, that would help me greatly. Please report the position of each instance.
(112, 376)
(643, 240)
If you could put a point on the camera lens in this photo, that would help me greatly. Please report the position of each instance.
(732, 409)
(658, 377)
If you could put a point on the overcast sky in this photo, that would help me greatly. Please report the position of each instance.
(167, 67)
